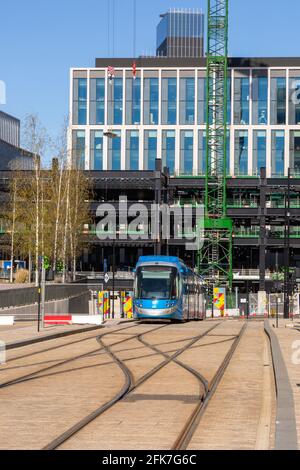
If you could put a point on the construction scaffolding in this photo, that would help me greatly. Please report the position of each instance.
(215, 258)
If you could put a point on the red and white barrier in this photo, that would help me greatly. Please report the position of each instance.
(73, 320)
(58, 320)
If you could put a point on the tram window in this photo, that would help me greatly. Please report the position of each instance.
(157, 283)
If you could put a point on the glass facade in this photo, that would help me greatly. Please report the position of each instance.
(295, 150)
(169, 101)
(180, 33)
(259, 100)
(133, 101)
(229, 93)
(78, 153)
(278, 147)
(241, 153)
(186, 152)
(151, 101)
(150, 150)
(278, 100)
(201, 101)
(114, 152)
(115, 101)
(97, 101)
(201, 152)
(294, 104)
(259, 151)
(187, 101)
(173, 111)
(132, 150)
(80, 101)
(168, 150)
(242, 100)
(96, 162)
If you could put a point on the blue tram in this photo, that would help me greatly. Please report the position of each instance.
(165, 288)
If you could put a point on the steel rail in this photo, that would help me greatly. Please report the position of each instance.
(192, 424)
(35, 375)
(128, 387)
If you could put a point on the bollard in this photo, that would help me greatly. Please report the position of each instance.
(101, 305)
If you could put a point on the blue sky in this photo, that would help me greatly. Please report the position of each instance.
(41, 40)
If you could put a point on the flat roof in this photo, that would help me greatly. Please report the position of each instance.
(234, 62)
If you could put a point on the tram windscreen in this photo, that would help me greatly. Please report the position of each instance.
(157, 283)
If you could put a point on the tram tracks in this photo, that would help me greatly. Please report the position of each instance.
(128, 387)
(35, 374)
(209, 387)
(130, 384)
(192, 424)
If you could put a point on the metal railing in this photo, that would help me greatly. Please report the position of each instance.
(242, 204)
(29, 295)
(100, 275)
(94, 231)
(274, 232)
(250, 273)
(181, 173)
(244, 232)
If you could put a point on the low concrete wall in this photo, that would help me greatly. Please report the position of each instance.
(87, 319)
(7, 321)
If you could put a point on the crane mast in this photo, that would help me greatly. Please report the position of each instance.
(215, 258)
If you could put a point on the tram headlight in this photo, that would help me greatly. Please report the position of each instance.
(161, 311)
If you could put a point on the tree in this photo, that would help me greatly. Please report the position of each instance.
(79, 214)
(52, 206)
(36, 140)
(59, 166)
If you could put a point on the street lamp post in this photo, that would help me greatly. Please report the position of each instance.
(287, 290)
(110, 134)
(113, 286)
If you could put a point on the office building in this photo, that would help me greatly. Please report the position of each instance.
(180, 33)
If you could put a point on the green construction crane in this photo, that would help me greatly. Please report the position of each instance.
(215, 258)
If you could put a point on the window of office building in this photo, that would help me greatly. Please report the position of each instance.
(80, 101)
(201, 100)
(132, 150)
(229, 99)
(115, 101)
(295, 150)
(168, 150)
(97, 101)
(278, 97)
(259, 151)
(294, 113)
(133, 101)
(187, 101)
(114, 152)
(96, 150)
(151, 98)
(186, 152)
(150, 150)
(278, 150)
(169, 100)
(241, 153)
(260, 98)
(79, 149)
(202, 153)
(241, 99)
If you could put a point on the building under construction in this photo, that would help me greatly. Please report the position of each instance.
(158, 120)
(157, 131)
